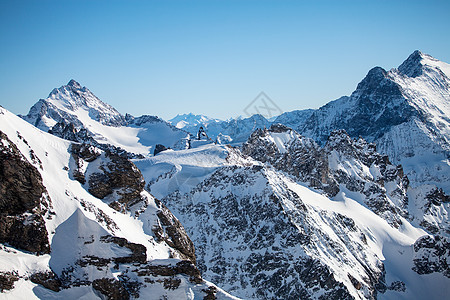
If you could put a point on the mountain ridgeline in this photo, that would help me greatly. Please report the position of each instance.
(348, 201)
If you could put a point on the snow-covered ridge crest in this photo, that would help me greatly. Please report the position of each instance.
(189, 120)
(233, 131)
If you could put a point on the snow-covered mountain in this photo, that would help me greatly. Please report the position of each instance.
(352, 203)
(405, 111)
(63, 103)
(303, 221)
(75, 113)
(191, 121)
(76, 223)
(233, 131)
(292, 119)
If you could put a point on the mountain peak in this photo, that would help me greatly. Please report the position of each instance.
(74, 84)
(372, 79)
(63, 103)
(417, 54)
(418, 63)
(412, 66)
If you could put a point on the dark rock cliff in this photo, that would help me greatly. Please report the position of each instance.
(23, 200)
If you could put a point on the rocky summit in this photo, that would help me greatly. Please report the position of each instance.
(348, 201)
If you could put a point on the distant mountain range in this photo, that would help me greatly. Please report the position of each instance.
(348, 201)
(405, 112)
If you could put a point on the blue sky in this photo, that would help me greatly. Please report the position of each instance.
(209, 57)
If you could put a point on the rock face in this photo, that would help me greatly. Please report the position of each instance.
(23, 201)
(172, 232)
(111, 289)
(7, 280)
(47, 279)
(431, 254)
(159, 148)
(343, 163)
(71, 133)
(275, 238)
(356, 114)
(108, 176)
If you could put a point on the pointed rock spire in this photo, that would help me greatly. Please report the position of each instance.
(74, 84)
(412, 66)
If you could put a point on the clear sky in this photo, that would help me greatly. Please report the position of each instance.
(209, 57)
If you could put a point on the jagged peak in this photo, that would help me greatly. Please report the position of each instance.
(417, 62)
(74, 84)
(413, 66)
(279, 128)
(377, 71)
(341, 141)
(372, 79)
(339, 135)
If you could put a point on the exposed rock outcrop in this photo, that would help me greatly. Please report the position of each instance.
(23, 201)
(170, 230)
(431, 253)
(48, 279)
(111, 288)
(112, 176)
(159, 148)
(241, 210)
